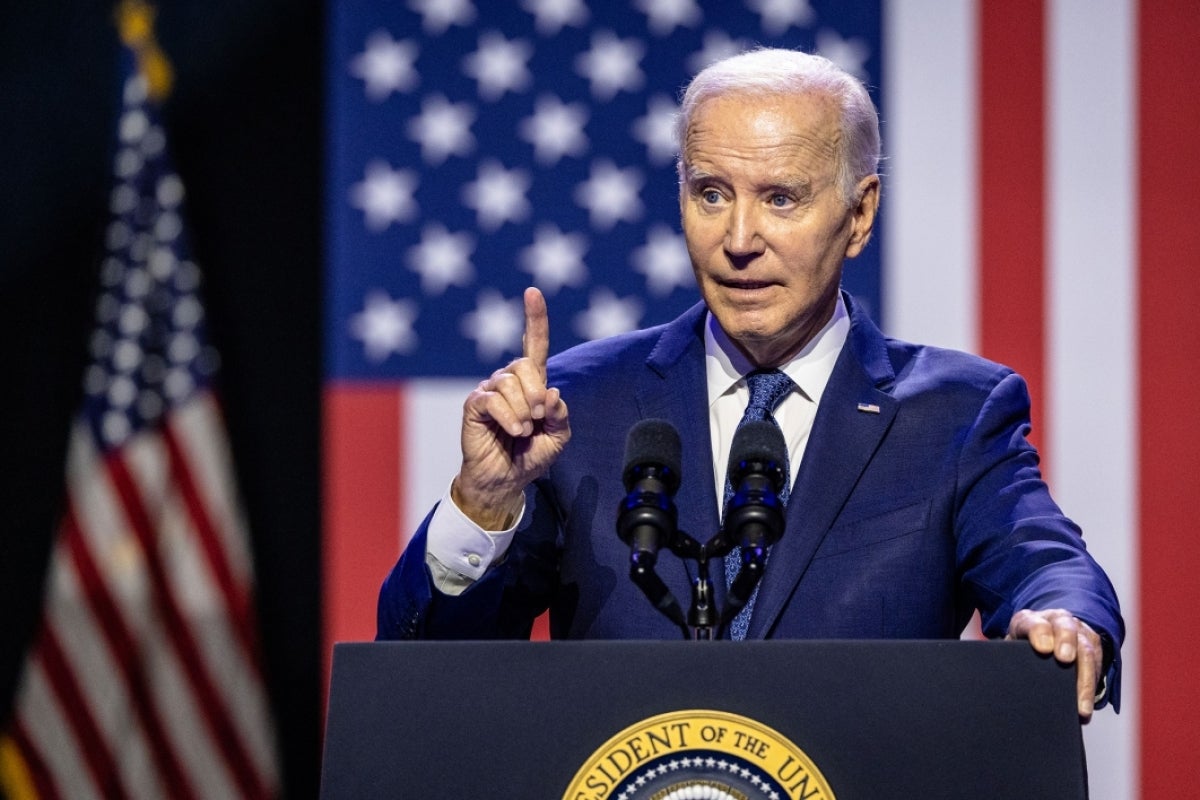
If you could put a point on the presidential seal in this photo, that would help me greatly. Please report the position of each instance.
(698, 755)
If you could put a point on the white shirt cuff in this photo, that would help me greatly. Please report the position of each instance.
(456, 548)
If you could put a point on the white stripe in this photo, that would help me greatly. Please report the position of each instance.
(122, 567)
(198, 756)
(174, 540)
(202, 606)
(930, 254)
(431, 453)
(51, 736)
(929, 196)
(90, 661)
(1092, 294)
(203, 442)
(109, 536)
(198, 427)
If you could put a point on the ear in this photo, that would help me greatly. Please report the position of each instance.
(862, 219)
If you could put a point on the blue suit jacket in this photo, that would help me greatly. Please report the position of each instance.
(918, 500)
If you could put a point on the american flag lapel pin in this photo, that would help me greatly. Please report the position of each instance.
(868, 408)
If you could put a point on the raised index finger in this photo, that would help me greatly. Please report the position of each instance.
(535, 344)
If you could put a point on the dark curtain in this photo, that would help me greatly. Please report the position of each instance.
(244, 122)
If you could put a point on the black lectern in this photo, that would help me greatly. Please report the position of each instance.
(631, 720)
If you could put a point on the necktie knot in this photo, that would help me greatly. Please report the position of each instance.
(767, 390)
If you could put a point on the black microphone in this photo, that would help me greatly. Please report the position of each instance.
(647, 516)
(757, 473)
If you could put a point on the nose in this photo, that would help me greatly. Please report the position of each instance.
(742, 238)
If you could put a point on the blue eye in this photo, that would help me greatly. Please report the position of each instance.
(780, 200)
(711, 196)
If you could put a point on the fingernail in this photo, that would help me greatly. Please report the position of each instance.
(539, 411)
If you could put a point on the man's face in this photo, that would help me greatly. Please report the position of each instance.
(766, 224)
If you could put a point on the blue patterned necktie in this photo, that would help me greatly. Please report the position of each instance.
(767, 390)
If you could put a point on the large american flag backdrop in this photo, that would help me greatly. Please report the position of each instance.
(1039, 208)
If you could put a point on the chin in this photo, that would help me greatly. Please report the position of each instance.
(750, 326)
(753, 339)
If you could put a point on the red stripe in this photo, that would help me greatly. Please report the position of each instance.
(237, 597)
(1168, 355)
(213, 706)
(39, 772)
(541, 629)
(362, 485)
(1012, 202)
(124, 650)
(77, 710)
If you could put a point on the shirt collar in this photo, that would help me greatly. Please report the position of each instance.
(810, 369)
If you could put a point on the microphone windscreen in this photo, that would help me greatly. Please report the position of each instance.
(653, 442)
(756, 442)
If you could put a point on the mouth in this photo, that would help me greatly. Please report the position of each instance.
(744, 286)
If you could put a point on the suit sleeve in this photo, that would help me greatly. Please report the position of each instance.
(502, 604)
(1016, 549)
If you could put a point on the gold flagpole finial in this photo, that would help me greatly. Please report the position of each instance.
(135, 23)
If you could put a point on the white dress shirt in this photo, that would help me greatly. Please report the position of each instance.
(458, 551)
(728, 393)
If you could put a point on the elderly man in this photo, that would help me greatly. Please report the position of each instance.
(914, 496)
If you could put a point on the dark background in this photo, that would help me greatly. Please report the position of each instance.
(244, 122)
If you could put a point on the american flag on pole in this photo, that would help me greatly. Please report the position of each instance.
(145, 679)
(1034, 211)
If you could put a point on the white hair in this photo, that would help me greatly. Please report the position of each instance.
(792, 72)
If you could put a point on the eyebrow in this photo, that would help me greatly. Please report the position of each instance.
(797, 186)
(693, 175)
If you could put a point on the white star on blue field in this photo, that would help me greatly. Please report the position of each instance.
(476, 149)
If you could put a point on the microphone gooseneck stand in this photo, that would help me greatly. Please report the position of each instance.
(754, 520)
(704, 621)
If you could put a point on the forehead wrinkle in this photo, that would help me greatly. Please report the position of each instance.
(779, 131)
(779, 166)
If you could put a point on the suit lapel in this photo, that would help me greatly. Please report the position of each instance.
(855, 413)
(674, 387)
